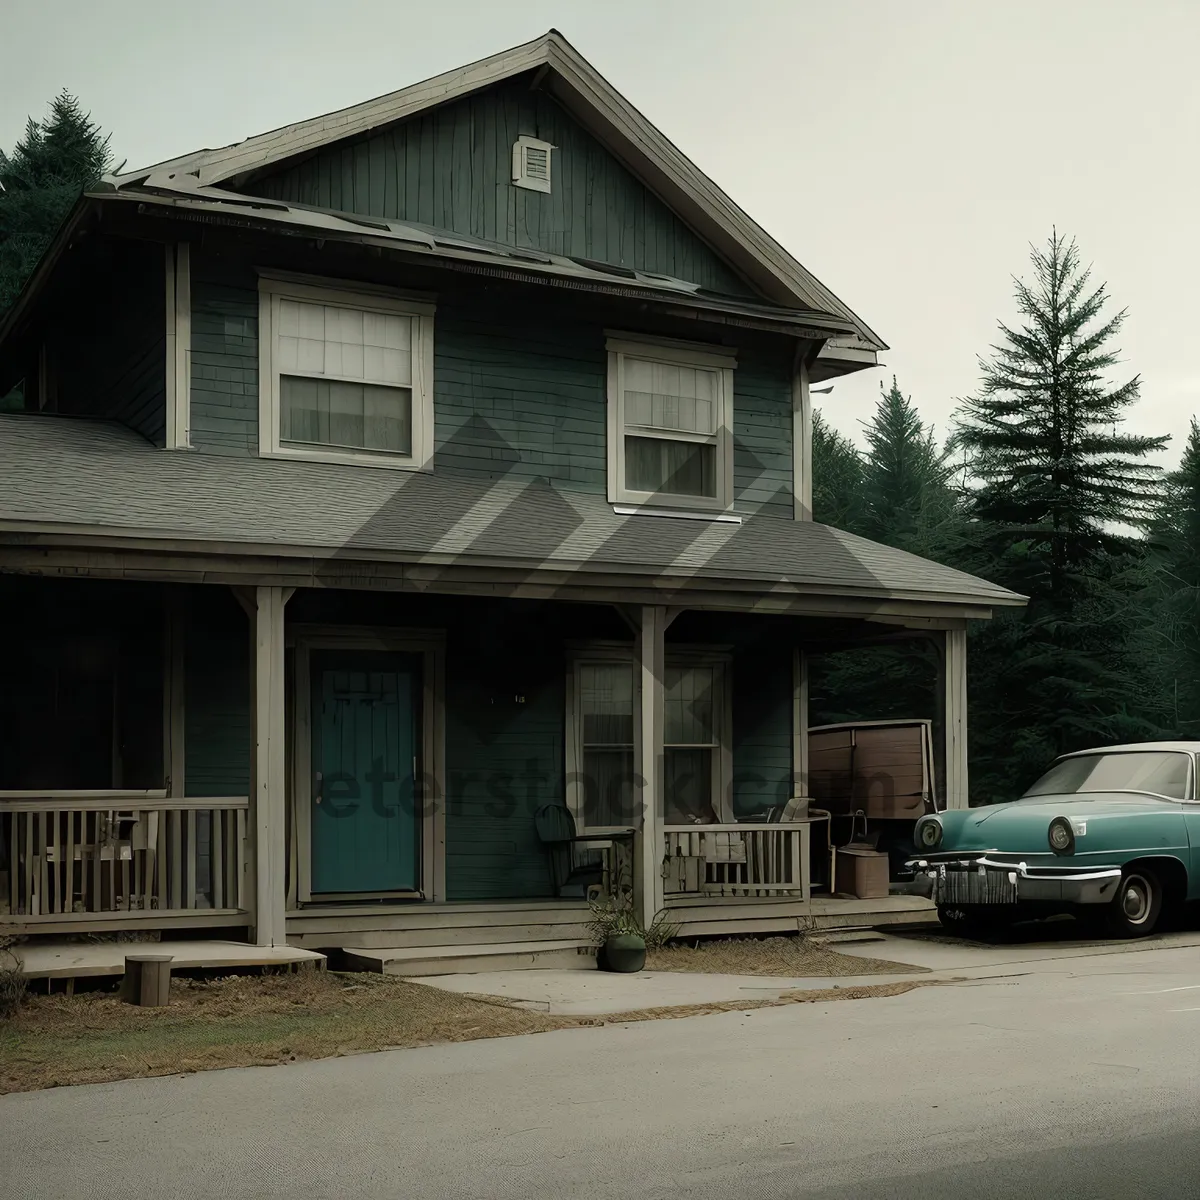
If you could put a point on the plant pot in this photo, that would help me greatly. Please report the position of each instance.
(623, 953)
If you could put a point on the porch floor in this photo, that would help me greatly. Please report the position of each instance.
(69, 960)
(842, 912)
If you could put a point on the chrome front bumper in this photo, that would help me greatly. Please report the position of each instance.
(978, 879)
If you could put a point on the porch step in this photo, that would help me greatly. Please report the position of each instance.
(462, 960)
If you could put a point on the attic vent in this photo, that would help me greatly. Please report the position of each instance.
(531, 164)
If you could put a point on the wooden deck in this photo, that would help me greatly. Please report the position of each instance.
(435, 939)
(66, 960)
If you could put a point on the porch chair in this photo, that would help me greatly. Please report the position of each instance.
(574, 870)
(799, 808)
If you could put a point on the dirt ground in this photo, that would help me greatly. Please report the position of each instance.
(262, 1020)
(239, 1020)
(794, 956)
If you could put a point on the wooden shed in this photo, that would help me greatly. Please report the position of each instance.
(883, 769)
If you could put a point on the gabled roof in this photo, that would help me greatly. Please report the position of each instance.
(591, 100)
(91, 479)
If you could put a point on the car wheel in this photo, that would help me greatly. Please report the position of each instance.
(1135, 909)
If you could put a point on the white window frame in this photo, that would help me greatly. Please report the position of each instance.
(622, 347)
(608, 653)
(274, 287)
(178, 276)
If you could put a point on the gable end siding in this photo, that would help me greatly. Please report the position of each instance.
(451, 169)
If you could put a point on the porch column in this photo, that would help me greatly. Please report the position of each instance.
(800, 723)
(267, 779)
(952, 695)
(648, 883)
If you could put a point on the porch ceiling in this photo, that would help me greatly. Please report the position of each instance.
(94, 483)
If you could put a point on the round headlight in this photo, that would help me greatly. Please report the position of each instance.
(1061, 836)
(930, 833)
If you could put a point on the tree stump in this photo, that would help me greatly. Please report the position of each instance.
(147, 980)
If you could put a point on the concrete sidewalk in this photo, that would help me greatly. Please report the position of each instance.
(597, 993)
(600, 993)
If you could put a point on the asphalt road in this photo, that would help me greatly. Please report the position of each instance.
(1078, 1079)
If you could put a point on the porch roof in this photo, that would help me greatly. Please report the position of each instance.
(76, 477)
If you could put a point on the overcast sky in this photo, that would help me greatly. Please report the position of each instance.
(906, 151)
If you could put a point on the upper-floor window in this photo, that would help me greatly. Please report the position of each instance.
(346, 375)
(670, 420)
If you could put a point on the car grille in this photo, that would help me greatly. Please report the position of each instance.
(974, 885)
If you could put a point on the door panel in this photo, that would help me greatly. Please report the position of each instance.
(365, 824)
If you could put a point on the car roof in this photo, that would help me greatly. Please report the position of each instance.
(1189, 746)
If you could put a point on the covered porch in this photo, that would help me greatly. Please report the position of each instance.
(344, 768)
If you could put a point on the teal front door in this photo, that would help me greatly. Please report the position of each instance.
(365, 827)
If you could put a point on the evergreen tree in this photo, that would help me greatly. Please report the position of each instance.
(837, 468)
(898, 493)
(56, 160)
(907, 497)
(1172, 625)
(1060, 486)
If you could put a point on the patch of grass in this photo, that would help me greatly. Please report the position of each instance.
(264, 1020)
(795, 957)
(239, 1021)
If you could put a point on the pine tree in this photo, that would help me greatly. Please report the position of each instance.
(1060, 489)
(41, 180)
(837, 468)
(907, 496)
(898, 493)
(1173, 625)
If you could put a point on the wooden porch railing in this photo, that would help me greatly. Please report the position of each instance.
(740, 859)
(88, 857)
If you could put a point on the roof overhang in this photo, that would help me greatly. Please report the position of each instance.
(591, 100)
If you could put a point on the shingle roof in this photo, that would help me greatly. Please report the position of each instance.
(65, 475)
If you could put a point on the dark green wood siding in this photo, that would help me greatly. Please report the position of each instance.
(762, 728)
(108, 351)
(505, 735)
(762, 433)
(224, 360)
(452, 169)
(518, 394)
(519, 397)
(217, 733)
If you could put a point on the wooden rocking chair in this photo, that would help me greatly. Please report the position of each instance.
(576, 869)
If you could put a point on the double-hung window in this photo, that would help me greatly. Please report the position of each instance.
(603, 788)
(345, 375)
(670, 424)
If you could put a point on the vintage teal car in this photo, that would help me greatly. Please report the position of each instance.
(1112, 833)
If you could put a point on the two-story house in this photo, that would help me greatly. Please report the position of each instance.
(404, 490)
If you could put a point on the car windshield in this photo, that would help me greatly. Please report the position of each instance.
(1161, 772)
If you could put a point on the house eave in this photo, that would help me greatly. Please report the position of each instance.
(26, 547)
(599, 107)
(215, 208)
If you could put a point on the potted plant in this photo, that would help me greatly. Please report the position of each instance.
(620, 936)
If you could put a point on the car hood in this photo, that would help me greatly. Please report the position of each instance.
(1101, 820)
